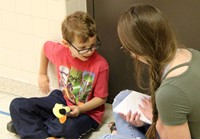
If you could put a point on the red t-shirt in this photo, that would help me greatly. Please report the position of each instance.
(80, 80)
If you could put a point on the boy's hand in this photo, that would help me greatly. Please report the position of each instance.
(43, 82)
(75, 111)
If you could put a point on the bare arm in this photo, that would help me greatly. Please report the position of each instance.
(92, 104)
(43, 80)
(166, 132)
(173, 132)
(177, 132)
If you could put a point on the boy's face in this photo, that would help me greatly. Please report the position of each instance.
(82, 51)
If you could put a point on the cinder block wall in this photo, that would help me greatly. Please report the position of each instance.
(24, 26)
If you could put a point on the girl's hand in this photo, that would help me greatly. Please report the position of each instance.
(146, 108)
(132, 118)
(75, 111)
(43, 82)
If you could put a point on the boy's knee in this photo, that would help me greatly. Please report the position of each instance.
(18, 102)
(56, 92)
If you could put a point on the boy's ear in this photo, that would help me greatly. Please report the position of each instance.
(65, 43)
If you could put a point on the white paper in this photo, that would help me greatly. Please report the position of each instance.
(130, 103)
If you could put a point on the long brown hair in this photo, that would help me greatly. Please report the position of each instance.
(144, 31)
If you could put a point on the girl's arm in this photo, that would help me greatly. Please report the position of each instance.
(173, 132)
(177, 132)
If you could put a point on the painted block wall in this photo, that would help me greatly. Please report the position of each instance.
(24, 27)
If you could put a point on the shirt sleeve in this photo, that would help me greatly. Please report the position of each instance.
(50, 49)
(101, 87)
(173, 105)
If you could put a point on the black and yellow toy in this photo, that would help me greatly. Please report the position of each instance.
(61, 111)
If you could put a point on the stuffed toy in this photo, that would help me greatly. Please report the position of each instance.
(61, 111)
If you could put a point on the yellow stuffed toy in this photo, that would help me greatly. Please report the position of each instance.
(61, 111)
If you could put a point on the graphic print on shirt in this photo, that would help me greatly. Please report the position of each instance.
(76, 84)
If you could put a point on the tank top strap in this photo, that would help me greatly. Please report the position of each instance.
(174, 68)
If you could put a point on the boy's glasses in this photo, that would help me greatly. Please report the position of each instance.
(83, 51)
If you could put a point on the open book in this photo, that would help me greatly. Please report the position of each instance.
(130, 103)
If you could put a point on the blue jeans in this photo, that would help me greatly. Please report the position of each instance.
(124, 129)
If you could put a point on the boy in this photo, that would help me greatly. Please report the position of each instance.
(83, 82)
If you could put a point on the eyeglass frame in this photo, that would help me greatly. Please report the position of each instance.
(96, 46)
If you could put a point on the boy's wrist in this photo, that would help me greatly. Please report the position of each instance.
(42, 74)
(79, 109)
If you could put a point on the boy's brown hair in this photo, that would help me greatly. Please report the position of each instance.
(79, 24)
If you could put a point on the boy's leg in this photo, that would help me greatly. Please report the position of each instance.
(124, 128)
(29, 114)
(73, 128)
